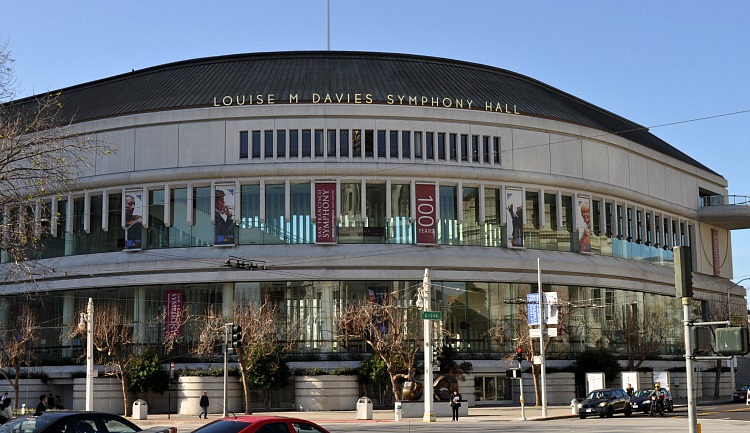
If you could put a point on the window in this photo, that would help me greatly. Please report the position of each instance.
(369, 143)
(485, 149)
(357, 143)
(430, 145)
(406, 144)
(332, 143)
(464, 147)
(475, 148)
(496, 150)
(381, 144)
(319, 144)
(281, 143)
(441, 145)
(294, 143)
(306, 143)
(256, 144)
(417, 145)
(244, 148)
(268, 144)
(303, 427)
(453, 147)
(394, 145)
(344, 143)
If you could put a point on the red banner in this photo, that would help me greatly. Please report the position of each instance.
(715, 249)
(325, 212)
(426, 216)
(173, 314)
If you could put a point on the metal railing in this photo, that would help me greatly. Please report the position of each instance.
(724, 200)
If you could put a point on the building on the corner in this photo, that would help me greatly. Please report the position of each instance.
(318, 178)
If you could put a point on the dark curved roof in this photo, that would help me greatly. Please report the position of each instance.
(195, 83)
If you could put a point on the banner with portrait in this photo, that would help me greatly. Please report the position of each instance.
(224, 210)
(325, 213)
(132, 218)
(173, 313)
(584, 229)
(514, 204)
(426, 216)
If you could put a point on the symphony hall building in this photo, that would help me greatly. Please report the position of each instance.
(320, 178)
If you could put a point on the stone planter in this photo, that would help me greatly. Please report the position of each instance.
(188, 390)
(326, 392)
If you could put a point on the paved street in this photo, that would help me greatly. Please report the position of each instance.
(714, 418)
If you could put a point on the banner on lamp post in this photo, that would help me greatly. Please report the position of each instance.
(426, 216)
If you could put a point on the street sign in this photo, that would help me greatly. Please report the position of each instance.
(548, 332)
(432, 315)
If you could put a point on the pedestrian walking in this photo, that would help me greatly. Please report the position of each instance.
(455, 404)
(204, 405)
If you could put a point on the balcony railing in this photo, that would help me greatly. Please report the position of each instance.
(724, 200)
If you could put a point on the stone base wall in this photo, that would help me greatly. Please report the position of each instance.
(326, 393)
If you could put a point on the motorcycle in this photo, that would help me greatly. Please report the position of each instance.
(656, 406)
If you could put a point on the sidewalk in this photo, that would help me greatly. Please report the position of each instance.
(502, 413)
(476, 414)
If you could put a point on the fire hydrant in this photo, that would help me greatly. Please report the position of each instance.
(574, 406)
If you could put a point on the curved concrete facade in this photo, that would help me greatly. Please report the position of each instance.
(548, 158)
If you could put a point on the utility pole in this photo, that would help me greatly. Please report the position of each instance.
(542, 339)
(429, 414)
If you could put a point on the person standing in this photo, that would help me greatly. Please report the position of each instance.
(455, 404)
(50, 401)
(204, 405)
(42, 406)
(629, 390)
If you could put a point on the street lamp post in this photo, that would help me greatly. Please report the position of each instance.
(423, 303)
(87, 323)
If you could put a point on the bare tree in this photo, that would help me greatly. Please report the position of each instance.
(41, 156)
(262, 338)
(15, 341)
(391, 329)
(114, 343)
(640, 332)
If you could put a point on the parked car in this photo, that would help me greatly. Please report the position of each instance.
(605, 402)
(640, 401)
(741, 394)
(65, 421)
(261, 424)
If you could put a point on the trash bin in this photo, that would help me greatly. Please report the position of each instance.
(140, 409)
(364, 408)
(398, 411)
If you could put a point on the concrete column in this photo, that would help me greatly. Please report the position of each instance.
(70, 318)
(139, 314)
(227, 299)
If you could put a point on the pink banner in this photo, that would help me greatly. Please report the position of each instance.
(426, 216)
(173, 316)
(325, 212)
(715, 249)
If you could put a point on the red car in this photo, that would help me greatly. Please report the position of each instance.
(261, 424)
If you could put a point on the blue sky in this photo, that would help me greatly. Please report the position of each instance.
(654, 62)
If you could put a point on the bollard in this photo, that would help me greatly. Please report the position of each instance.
(574, 406)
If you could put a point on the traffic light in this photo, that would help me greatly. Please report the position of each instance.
(683, 272)
(236, 336)
(732, 341)
(519, 354)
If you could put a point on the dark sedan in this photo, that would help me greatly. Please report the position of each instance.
(605, 402)
(640, 401)
(75, 422)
